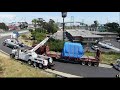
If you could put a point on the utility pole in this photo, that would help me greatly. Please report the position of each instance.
(119, 18)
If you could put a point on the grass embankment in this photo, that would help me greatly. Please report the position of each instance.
(14, 68)
(106, 58)
(25, 39)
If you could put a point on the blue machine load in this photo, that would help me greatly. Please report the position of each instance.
(73, 50)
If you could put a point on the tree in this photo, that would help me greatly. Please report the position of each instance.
(95, 25)
(34, 21)
(112, 27)
(3, 26)
(40, 22)
(52, 26)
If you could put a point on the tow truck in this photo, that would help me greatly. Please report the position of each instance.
(32, 58)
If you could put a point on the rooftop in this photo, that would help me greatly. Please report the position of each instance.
(83, 33)
(96, 32)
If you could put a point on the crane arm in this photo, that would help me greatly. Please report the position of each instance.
(40, 44)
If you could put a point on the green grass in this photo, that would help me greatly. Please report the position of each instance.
(14, 68)
(106, 58)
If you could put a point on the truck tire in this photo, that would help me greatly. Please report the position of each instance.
(14, 47)
(35, 64)
(29, 62)
(12, 56)
(40, 66)
(83, 63)
(96, 64)
(4, 44)
(117, 76)
(89, 64)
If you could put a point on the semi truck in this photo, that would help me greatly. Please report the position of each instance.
(73, 52)
(32, 57)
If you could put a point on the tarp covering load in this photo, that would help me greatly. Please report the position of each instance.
(73, 50)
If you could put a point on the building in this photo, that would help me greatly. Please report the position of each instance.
(82, 35)
(106, 35)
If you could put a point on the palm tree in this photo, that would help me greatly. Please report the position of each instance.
(40, 22)
(34, 21)
(95, 25)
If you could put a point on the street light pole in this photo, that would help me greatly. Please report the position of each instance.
(64, 14)
(63, 30)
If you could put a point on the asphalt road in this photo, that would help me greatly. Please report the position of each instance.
(75, 69)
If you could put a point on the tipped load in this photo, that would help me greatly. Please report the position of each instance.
(74, 50)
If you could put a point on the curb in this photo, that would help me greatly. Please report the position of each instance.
(105, 65)
(61, 74)
(4, 52)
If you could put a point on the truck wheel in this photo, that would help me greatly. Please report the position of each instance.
(89, 64)
(40, 66)
(14, 47)
(16, 57)
(96, 64)
(117, 76)
(4, 44)
(83, 63)
(35, 64)
(12, 56)
(29, 62)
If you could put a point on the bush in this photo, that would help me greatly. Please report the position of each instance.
(55, 45)
(3, 26)
(40, 30)
(24, 36)
(38, 36)
(31, 30)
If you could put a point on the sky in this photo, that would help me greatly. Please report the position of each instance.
(86, 17)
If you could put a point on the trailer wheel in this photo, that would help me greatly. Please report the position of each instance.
(29, 62)
(89, 64)
(96, 64)
(35, 64)
(40, 66)
(83, 63)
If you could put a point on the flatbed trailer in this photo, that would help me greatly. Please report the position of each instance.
(85, 60)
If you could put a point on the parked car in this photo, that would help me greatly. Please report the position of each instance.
(118, 41)
(117, 65)
(94, 47)
(104, 46)
(13, 43)
(110, 44)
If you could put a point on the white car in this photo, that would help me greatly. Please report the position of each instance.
(109, 44)
(94, 47)
(12, 43)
